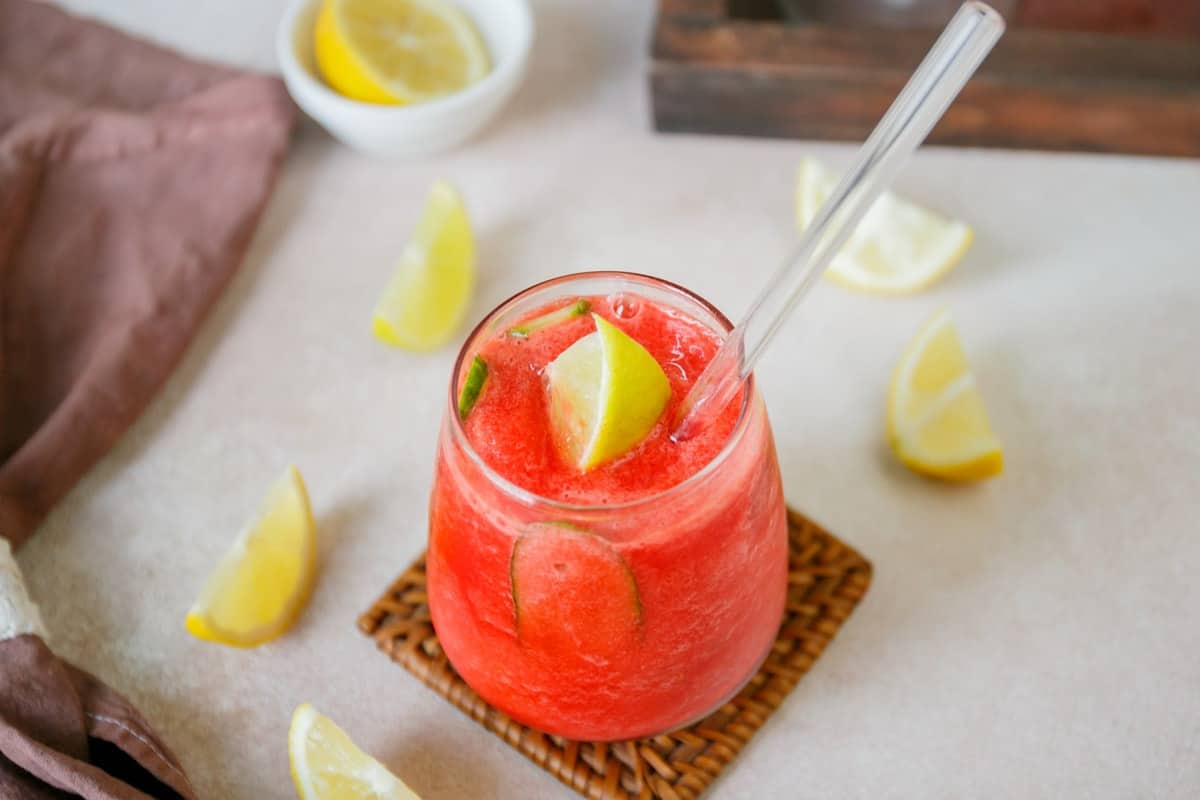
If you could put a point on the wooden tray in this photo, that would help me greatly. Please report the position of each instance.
(827, 579)
(737, 67)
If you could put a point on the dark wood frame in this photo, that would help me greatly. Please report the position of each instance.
(1040, 89)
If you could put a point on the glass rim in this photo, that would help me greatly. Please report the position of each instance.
(533, 498)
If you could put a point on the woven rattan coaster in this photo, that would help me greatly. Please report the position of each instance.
(826, 581)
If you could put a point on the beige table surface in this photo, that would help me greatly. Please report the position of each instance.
(1037, 636)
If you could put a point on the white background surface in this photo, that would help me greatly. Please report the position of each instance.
(1037, 636)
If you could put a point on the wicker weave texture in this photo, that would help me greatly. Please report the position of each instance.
(826, 578)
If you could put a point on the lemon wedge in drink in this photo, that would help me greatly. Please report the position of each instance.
(606, 394)
(936, 421)
(898, 247)
(327, 765)
(397, 51)
(264, 580)
(428, 294)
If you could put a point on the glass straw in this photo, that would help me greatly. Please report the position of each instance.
(955, 56)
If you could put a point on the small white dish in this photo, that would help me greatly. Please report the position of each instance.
(421, 128)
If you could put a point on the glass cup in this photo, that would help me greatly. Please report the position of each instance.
(698, 572)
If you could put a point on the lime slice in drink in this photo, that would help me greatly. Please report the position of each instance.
(427, 296)
(472, 387)
(574, 596)
(576, 309)
(606, 394)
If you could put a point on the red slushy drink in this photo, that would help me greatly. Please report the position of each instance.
(587, 574)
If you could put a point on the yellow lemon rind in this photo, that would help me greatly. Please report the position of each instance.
(201, 624)
(980, 457)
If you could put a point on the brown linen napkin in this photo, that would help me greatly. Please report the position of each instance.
(62, 732)
(131, 181)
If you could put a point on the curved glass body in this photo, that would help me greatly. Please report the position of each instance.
(638, 617)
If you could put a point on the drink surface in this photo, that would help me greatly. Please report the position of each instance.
(509, 425)
(605, 623)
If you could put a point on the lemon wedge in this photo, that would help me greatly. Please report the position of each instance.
(327, 765)
(606, 394)
(898, 247)
(264, 580)
(936, 420)
(427, 296)
(397, 51)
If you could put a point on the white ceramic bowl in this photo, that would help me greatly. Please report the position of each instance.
(421, 128)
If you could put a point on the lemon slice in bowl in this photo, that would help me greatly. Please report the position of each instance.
(397, 51)
(898, 247)
(263, 582)
(327, 765)
(936, 421)
(606, 394)
(427, 296)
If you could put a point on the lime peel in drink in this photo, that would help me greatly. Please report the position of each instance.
(577, 309)
(472, 387)
(557, 564)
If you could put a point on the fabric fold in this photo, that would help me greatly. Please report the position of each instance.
(52, 716)
(131, 182)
